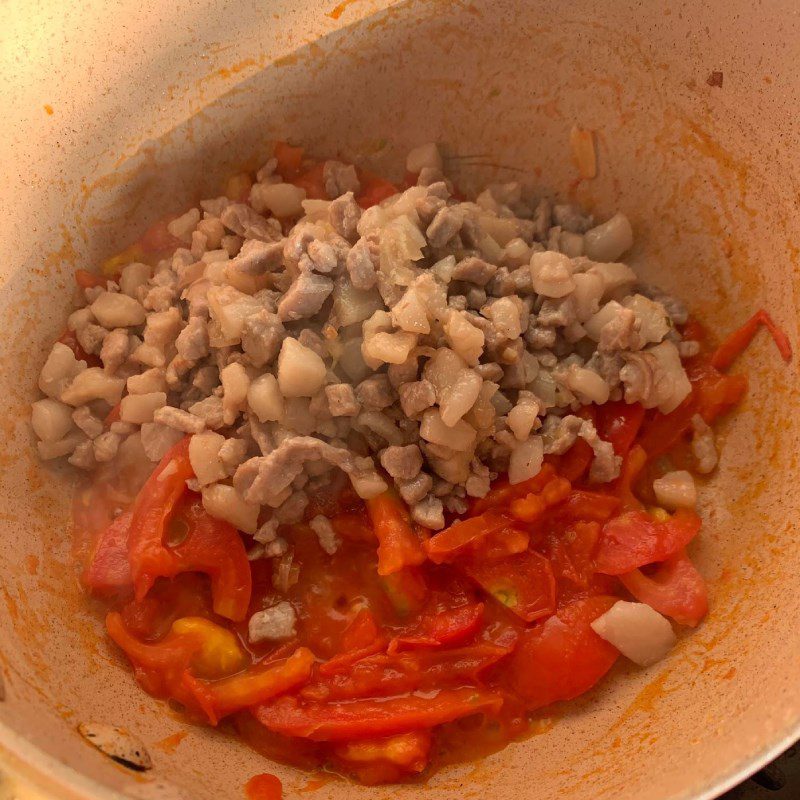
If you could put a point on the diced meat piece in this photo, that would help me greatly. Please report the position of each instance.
(106, 446)
(179, 420)
(339, 178)
(60, 369)
(292, 509)
(235, 383)
(242, 220)
(560, 434)
(479, 481)
(429, 513)
(192, 341)
(115, 310)
(51, 420)
(426, 155)
(414, 490)
(93, 384)
(445, 225)
(328, 539)
(257, 258)
(342, 400)
(139, 408)
(182, 227)
(232, 453)
(375, 392)
(361, 264)
(204, 449)
(403, 463)
(416, 397)
(83, 456)
(272, 624)
(301, 372)
(265, 399)
(151, 380)
(262, 334)
(474, 270)
(115, 350)
(305, 296)
(343, 215)
(157, 439)
(552, 274)
(90, 424)
(571, 218)
(225, 503)
(459, 437)
(209, 411)
(91, 337)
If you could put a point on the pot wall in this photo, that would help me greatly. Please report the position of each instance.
(153, 108)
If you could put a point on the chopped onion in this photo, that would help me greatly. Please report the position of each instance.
(639, 632)
(676, 490)
(426, 155)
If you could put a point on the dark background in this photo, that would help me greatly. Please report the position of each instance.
(779, 781)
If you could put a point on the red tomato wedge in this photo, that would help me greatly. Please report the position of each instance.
(562, 657)
(588, 506)
(374, 189)
(503, 492)
(675, 588)
(523, 583)
(360, 719)
(635, 539)
(108, 569)
(398, 545)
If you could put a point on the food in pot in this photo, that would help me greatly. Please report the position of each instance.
(377, 472)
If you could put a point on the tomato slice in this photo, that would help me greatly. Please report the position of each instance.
(502, 492)
(447, 628)
(464, 535)
(675, 588)
(254, 686)
(398, 545)
(312, 181)
(588, 506)
(635, 539)
(575, 463)
(562, 657)
(618, 422)
(360, 719)
(152, 511)
(410, 671)
(523, 583)
(572, 553)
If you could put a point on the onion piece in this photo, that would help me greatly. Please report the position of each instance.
(639, 632)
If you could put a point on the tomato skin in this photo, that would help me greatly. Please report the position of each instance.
(675, 589)
(588, 506)
(359, 719)
(562, 657)
(108, 569)
(736, 343)
(374, 189)
(502, 492)
(635, 539)
(313, 182)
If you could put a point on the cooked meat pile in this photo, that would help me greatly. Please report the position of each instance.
(426, 342)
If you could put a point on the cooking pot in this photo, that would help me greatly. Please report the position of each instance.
(115, 114)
